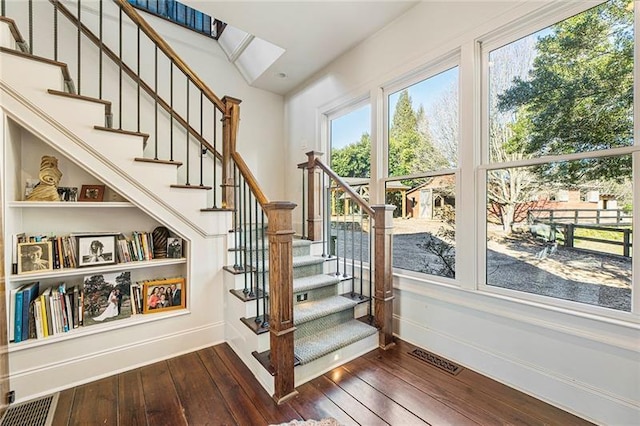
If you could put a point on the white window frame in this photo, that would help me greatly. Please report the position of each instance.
(339, 112)
(437, 66)
(547, 16)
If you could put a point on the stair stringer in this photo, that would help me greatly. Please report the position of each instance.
(152, 179)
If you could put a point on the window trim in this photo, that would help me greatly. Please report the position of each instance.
(523, 27)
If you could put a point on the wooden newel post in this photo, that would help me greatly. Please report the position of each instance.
(230, 122)
(314, 197)
(383, 278)
(280, 233)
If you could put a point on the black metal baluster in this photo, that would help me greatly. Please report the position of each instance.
(324, 221)
(55, 29)
(353, 250)
(371, 267)
(120, 69)
(79, 36)
(31, 26)
(203, 151)
(265, 247)
(304, 195)
(327, 217)
(139, 78)
(100, 57)
(215, 150)
(236, 236)
(171, 119)
(243, 217)
(361, 250)
(155, 109)
(3, 8)
(187, 132)
(344, 236)
(336, 245)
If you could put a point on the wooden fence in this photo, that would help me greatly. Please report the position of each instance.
(578, 216)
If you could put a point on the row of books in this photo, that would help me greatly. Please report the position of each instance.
(139, 246)
(63, 250)
(33, 315)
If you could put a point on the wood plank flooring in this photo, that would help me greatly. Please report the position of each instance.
(213, 387)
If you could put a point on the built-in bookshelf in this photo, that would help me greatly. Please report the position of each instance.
(115, 217)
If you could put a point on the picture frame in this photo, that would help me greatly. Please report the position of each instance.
(35, 257)
(68, 194)
(174, 247)
(163, 295)
(106, 297)
(94, 193)
(96, 250)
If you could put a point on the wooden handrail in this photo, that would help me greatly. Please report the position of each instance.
(144, 86)
(345, 187)
(250, 178)
(13, 28)
(171, 54)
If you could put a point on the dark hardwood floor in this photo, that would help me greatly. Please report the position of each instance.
(213, 387)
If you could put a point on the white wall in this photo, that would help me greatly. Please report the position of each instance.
(42, 367)
(575, 360)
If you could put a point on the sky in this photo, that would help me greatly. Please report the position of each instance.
(350, 127)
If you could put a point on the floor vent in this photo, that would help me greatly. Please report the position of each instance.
(437, 361)
(38, 412)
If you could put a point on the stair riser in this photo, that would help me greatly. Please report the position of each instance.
(312, 327)
(315, 294)
(306, 372)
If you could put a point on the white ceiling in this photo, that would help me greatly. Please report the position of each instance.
(313, 33)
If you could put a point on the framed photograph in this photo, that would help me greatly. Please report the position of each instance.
(174, 248)
(94, 250)
(106, 297)
(35, 257)
(91, 193)
(164, 295)
(67, 193)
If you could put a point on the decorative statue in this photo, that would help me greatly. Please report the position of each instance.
(47, 188)
(159, 237)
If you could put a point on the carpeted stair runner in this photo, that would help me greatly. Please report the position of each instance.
(326, 341)
(324, 320)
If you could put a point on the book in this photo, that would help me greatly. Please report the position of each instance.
(29, 293)
(18, 316)
(45, 319)
(12, 313)
(15, 240)
(46, 295)
(63, 307)
(37, 313)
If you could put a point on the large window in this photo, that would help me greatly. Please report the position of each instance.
(559, 147)
(422, 158)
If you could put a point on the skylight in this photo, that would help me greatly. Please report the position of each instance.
(250, 54)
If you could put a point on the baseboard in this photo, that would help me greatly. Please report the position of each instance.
(54, 377)
(598, 406)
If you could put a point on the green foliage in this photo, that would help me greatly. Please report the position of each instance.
(578, 96)
(353, 160)
(411, 148)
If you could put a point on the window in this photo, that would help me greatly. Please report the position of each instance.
(422, 154)
(351, 144)
(560, 121)
(183, 15)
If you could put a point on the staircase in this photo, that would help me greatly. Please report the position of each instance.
(39, 93)
(327, 333)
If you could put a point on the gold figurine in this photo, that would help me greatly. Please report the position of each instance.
(47, 188)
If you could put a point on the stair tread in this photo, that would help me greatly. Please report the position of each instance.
(310, 348)
(313, 282)
(308, 311)
(259, 245)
